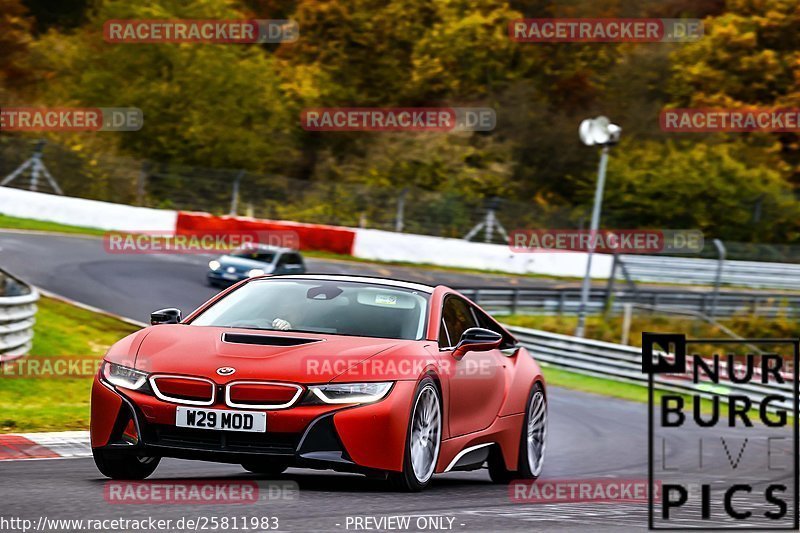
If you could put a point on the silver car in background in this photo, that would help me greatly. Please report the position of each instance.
(252, 261)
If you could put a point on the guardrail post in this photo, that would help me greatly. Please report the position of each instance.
(561, 302)
(629, 279)
(718, 278)
(610, 285)
(626, 322)
(514, 300)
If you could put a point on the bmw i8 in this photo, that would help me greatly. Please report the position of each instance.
(387, 378)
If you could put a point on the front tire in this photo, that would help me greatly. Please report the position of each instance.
(423, 440)
(533, 439)
(124, 466)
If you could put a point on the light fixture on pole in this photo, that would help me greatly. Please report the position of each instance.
(595, 132)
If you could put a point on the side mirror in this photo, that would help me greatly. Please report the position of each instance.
(477, 340)
(170, 315)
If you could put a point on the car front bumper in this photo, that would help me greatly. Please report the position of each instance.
(220, 277)
(358, 438)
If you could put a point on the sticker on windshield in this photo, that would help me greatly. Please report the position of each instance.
(385, 299)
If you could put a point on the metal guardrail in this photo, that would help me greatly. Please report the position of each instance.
(503, 301)
(696, 271)
(17, 316)
(624, 363)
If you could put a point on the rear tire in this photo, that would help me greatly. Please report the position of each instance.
(124, 466)
(532, 442)
(423, 440)
(265, 468)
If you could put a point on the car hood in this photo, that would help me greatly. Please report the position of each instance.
(200, 351)
(244, 263)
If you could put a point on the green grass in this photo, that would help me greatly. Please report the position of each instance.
(581, 382)
(8, 222)
(55, 404)
(558, 377)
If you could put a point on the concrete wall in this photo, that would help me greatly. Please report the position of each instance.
(86, 213)
(361, 243)
(390, 246)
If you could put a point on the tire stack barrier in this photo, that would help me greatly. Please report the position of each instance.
(17, 316)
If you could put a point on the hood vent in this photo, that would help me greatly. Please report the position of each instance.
(265, 340)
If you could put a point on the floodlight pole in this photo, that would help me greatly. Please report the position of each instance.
(595, 224)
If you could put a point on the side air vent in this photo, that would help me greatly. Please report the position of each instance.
(265, 340)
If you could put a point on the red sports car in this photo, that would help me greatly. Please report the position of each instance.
(368, 375)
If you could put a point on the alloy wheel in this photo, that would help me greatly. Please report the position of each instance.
(537, 432)
(426, 431)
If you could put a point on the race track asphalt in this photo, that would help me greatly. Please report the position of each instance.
(590, 437)
(79, 268)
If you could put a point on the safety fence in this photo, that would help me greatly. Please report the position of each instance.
(624, 363)
(351, 200)
(17, 316)
(696, 271)
(566, 301)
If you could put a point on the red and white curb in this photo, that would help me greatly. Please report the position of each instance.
(62, 444)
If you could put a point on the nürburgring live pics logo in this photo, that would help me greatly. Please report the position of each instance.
(723, 432)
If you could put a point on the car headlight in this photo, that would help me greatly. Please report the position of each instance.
(122, 376)
(352, 392)
(214, 264)
(255, 272)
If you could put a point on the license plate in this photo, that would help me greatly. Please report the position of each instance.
(233, 277)
(219, 419)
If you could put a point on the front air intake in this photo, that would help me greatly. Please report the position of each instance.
(262, 394)
(183, 389)
(266, 340)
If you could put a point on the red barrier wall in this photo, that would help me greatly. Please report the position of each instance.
(311, 236)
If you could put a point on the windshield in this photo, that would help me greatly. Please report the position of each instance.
(255, 255)
(320, 306)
